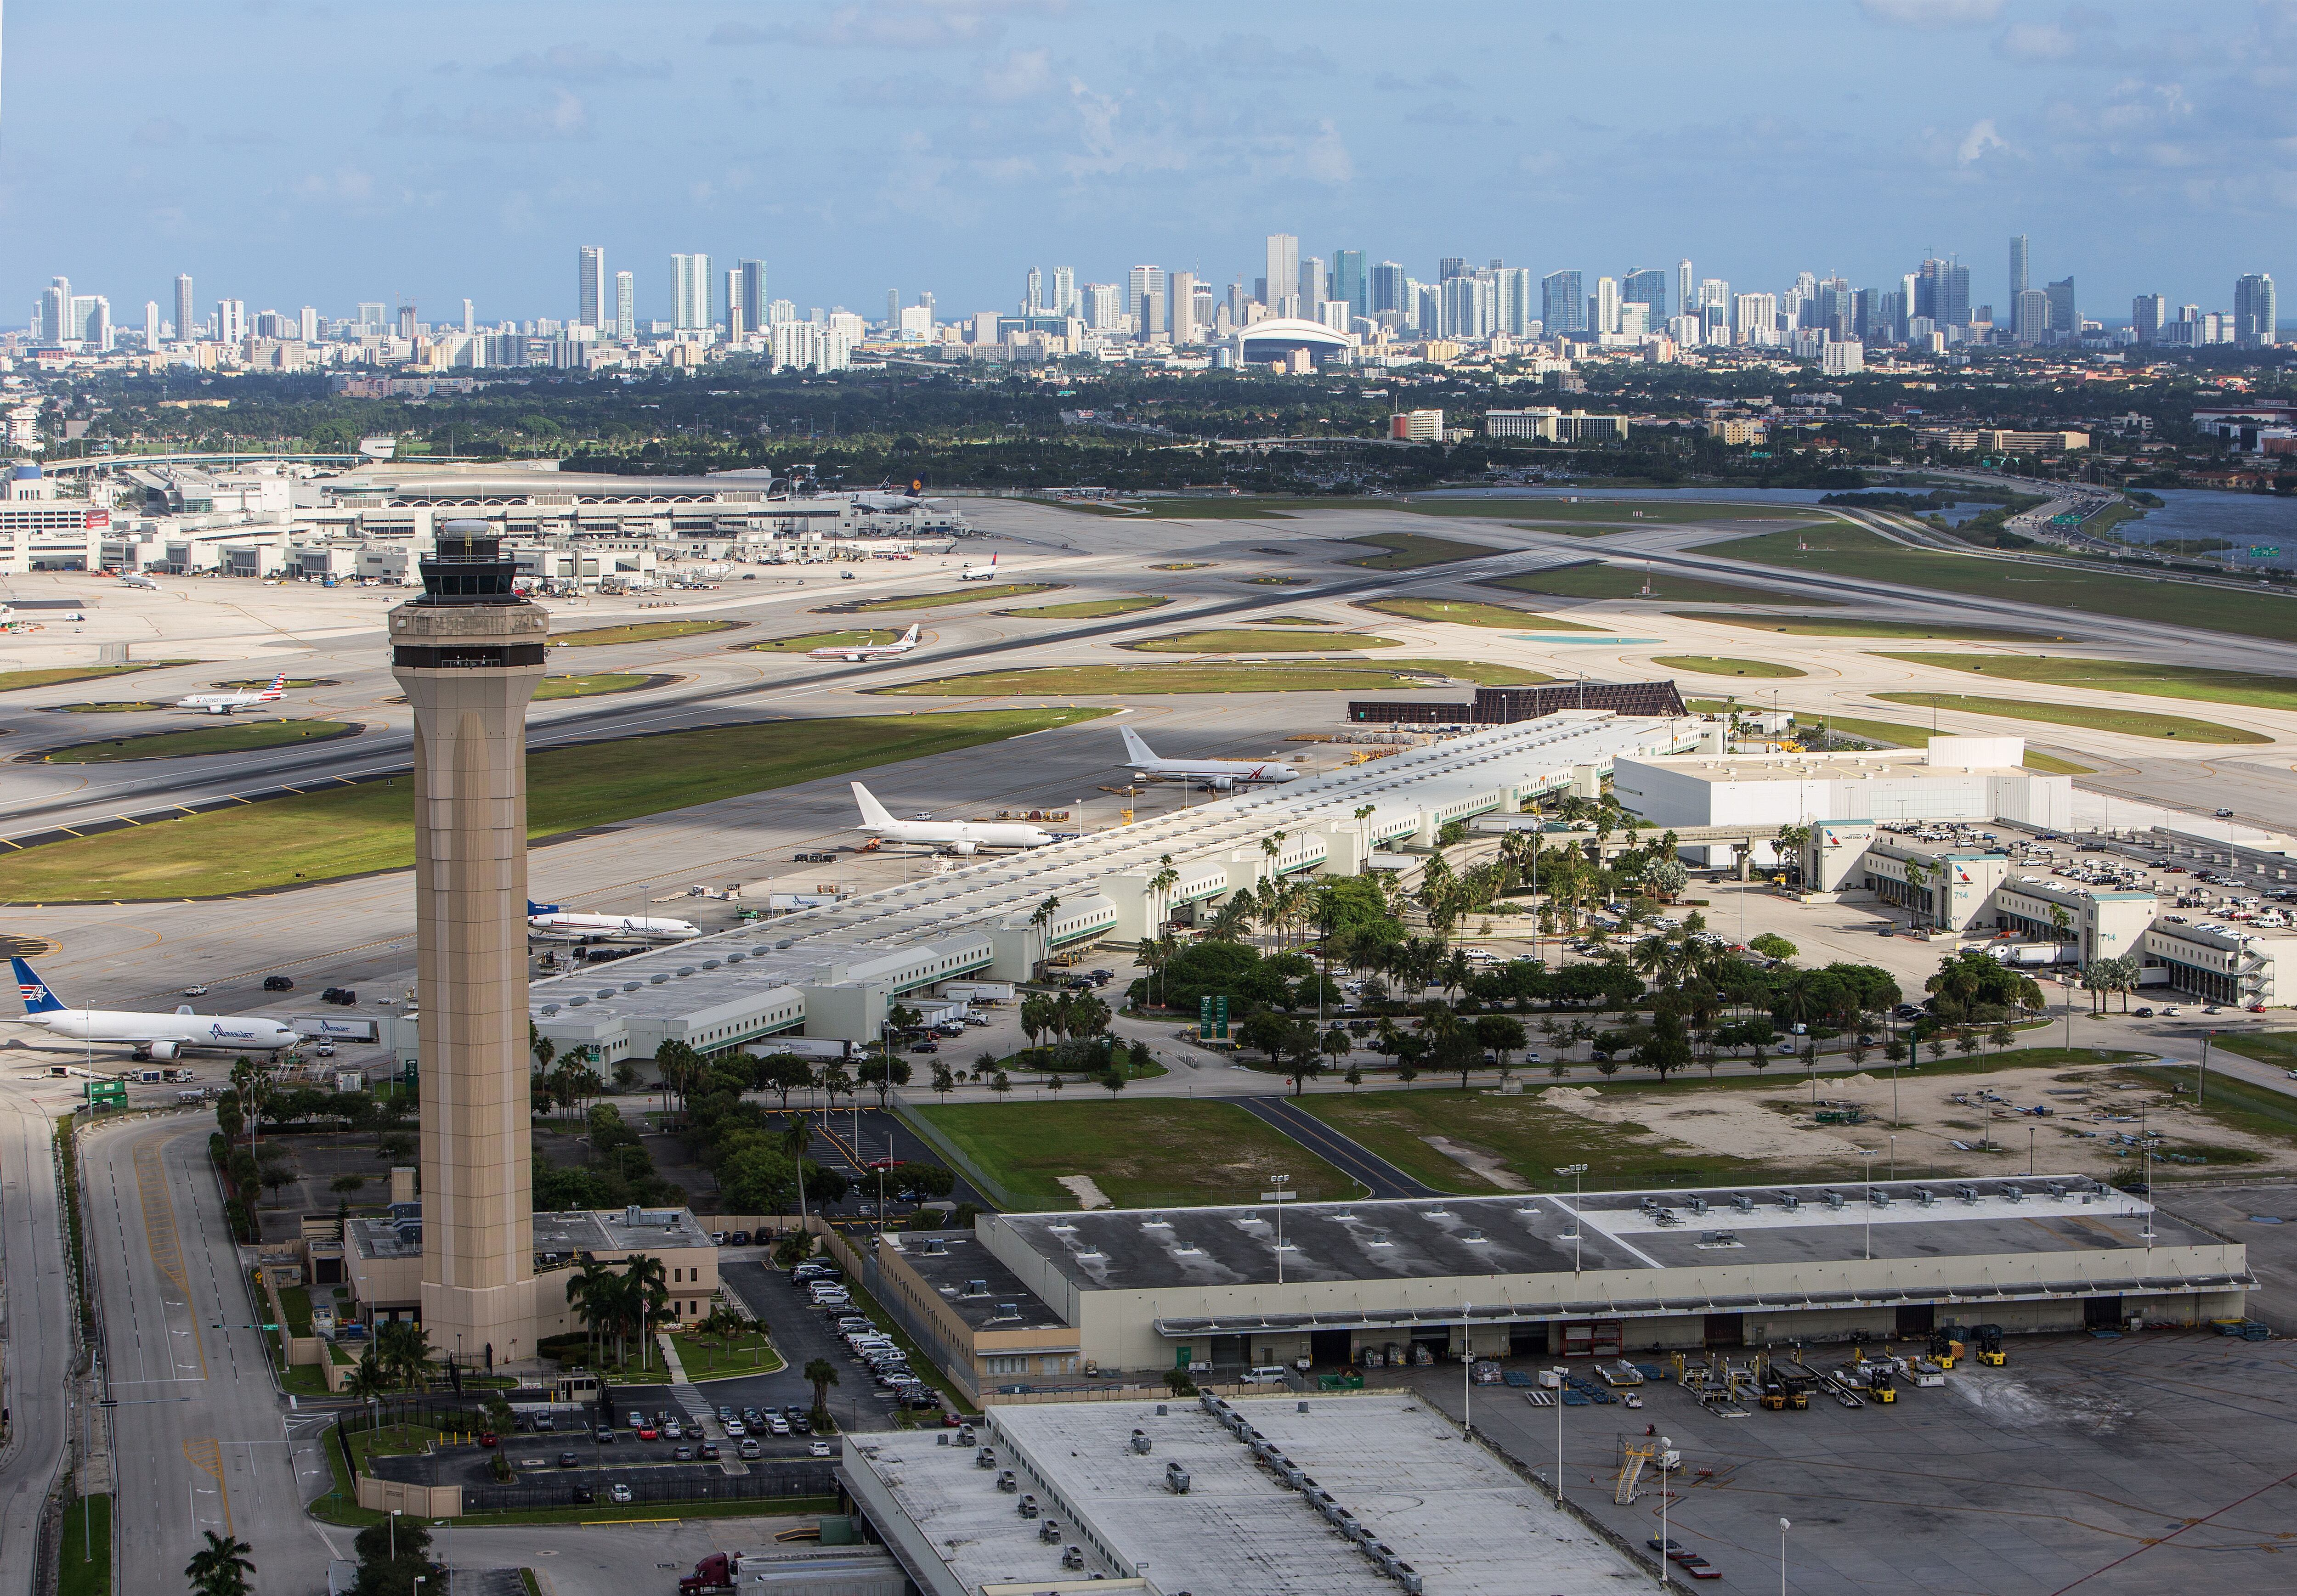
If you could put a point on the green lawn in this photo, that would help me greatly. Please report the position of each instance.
(83, 1549)
(1598, 580)
(10, 680)
(295, 1302)
(714, 1358)
(2276, 1048)
(1828, 626)
(1162, 1153)
(345, 831)
(1851, 552)
(1919, 736)
(2134, 723)
(1279, 676)
(1466, 611)
(1710, 664)
(851, 639)
(2236, 1104)
(1088, 609)
(642, 631)
(1256, 640)
(2123, 676)
(966, 594)
(1184, 565)
(1231, 509)
(1621, 511)
(1408, 551)
(590, 686)
(230, 737)
(129, 706)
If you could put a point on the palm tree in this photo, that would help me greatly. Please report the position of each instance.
(645, 1291)
(591, 1293)
(220, 1567)
(366, 1381)
(821, 1374)
(404, 1351)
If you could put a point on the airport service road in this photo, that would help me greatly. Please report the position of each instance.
(39, 1345)
(200, 1437)
(604, 1559)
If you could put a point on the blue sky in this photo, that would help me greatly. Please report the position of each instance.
(288, 153)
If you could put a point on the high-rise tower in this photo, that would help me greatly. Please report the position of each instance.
(468, 654)
(590, 304)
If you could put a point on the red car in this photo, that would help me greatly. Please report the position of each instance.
(487, 1438)
(884, 1163)
(646, 1432)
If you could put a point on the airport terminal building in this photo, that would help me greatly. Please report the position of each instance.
(1039, 1300)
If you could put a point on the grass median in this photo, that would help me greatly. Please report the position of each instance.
(1409, 551)
(642, 631)
(1919, 736)
(353, 830)
(235, 737)
(1468, 611)
(56, 675)
(805, 642)
(2088, 717)
(1243, 676)
(964, 593)
(1088, 609)
(594, 685)
(1256, 640)
(2141, 677)
(1141, 1154)
(1710, 664)
(1851, 552)
(1598, 580)
(1852, 626)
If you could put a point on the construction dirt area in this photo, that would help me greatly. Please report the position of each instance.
(2093, 1120)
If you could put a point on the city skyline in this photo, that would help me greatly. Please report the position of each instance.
(994, 137)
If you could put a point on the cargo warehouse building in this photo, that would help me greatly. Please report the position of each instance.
(1139, 1293)
(1505, 706)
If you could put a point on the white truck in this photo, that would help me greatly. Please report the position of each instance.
(822, 1049)
(978, 991)
(2034, 955)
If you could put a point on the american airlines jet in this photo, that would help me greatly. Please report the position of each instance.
(222, 703)
(864, 653)
(152, 1035)
(1221, 774)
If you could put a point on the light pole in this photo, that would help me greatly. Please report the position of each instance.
(1278, 1181)
(1870, 1155)
(394, 1535)
(1783, 1527)
(1574, 1171)
(1665, 1545)
(1467, 1374)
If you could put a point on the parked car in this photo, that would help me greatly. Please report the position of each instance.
(584, 1496)
(708, 1452)
(604, 1435)
(819, 1449)
(618, 1493)
(488, 1438)
(684, 1455)
(195, 992)
(751, 1450)
(567, 1460)
(736, 1429)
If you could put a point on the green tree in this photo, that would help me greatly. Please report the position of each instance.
(821, 1374)
(220, 1567)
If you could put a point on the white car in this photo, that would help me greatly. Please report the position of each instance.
(736, 1429)
(819, 1449)
(195, 992)
(620, 1494)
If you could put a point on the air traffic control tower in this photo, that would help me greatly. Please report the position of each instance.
(468, 654)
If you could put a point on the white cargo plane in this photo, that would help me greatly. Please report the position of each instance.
(1220, 774)
(222, 703)
(549, 917)
(136, 579)
(958, 836)
(152, 1035)
(979, 573)
(864, 653)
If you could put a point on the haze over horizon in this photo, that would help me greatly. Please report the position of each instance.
(289, 153)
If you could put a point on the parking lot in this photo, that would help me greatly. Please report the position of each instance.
(2148, 1462)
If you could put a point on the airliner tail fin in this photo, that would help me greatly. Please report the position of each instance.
(873, 813)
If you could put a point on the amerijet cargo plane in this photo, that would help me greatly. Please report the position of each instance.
(152, 1035)
(1220, 774)
(549, 917)
(958, 836)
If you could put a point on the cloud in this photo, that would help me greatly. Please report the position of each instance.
(889, 25)
(158, 133)
(1931, 13)
(1022, 75)
(1249, 55)
(560, 117)
(1325, 157)
(1981, 137)
(2039, 41)
(580, 63)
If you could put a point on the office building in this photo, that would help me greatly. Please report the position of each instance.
(1101, 306)
(2253, 311)
(1139, 283)
(1646, 286)
(372, 317)
(2065, 319)
(689, 292)
(1841, 357)
(626, 304)
(1388, 291)
(151, 325)
(1514, 313)
(307, 320)
(752, 294)
(56, 311)
(1312, 289)
(1755, 318)
(1603, 306)
(1033, 293)
(590, 286)
(470, 321)
(468, 654)
(231, 320)
(2029, 317)
(1714, 310)
(2147, 312)
(1284, 274)
(1183, 301)
(1348, 282)
(186, 321)
(1942, 294)
(1064, 291)
(2018, 277)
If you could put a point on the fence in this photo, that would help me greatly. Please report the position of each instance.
(957, 1160)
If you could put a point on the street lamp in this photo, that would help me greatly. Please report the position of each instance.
(394, 1535)
(1574, 1171)
(1467, 1373)
(1870, 1155)
(1666, 1545)
(1783, 1527)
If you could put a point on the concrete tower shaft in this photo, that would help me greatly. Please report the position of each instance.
(468, 654)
